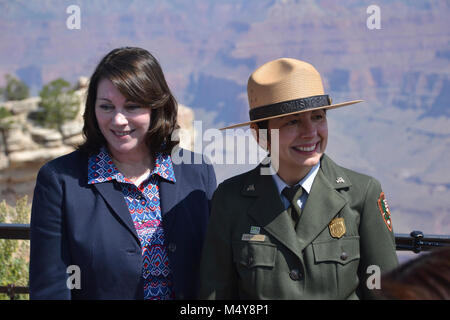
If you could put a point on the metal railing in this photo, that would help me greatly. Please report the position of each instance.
(14, 231)
(416, 242)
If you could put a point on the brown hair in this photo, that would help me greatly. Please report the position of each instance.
(424, 278)
(139, 77)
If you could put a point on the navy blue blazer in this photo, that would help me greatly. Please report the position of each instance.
(73, 223)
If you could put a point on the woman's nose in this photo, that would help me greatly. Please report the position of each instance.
(119, 119)
(307, 129)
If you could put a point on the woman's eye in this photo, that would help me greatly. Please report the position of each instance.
(106, 107)
(133, 107)
(292, 122)
(318, 117)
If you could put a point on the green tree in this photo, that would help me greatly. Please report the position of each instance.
(14, 254)
(15, 89)
(58, 104)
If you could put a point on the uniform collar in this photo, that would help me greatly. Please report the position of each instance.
(101, 168)
(306, 182)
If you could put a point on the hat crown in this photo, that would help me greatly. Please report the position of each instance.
(281, 80)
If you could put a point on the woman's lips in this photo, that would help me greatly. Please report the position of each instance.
(309, 148)
(122, 133)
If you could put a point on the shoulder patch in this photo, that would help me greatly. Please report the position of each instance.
(384, 210)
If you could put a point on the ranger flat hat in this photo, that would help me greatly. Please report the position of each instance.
(284, 87)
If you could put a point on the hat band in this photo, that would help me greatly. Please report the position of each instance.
(279, 108)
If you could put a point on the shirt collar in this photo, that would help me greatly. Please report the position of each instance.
(101, 168)
(164, 167)
(306, 182)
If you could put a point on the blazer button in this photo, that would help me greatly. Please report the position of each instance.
(172, 247)
(295, 274)
(344, 256)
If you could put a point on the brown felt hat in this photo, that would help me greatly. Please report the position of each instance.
(284, 87)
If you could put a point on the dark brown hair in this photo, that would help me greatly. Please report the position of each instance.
(424, 278)
(139, 78)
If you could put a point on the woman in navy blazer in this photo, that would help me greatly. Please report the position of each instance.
(122, 217)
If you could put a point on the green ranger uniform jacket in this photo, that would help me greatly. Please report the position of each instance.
(343, 240)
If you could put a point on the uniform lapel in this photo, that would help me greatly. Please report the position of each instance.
(112, 194)
(323, 203)
(268, 210)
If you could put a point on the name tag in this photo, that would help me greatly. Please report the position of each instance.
(253, 237)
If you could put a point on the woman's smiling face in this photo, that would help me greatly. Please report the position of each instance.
(123, 123)
(302, 141)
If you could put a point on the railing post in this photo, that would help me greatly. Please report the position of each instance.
(10, 291)
(417, 236)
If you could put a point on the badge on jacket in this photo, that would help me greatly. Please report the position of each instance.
(253, 237)
(337, 227)
(385, 212)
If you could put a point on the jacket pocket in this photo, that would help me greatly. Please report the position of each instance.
(342, 251)
(337, 260)
(254, 254)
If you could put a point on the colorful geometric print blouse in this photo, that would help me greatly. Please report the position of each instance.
(144, 205)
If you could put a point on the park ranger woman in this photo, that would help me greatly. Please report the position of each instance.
(312, 229)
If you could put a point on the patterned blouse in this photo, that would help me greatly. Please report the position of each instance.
(144, 205)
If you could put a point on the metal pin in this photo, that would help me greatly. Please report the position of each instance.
(340, 180)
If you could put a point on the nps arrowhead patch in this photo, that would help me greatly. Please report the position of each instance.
(385, 212)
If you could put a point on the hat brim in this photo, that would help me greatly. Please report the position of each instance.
(332, 106)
